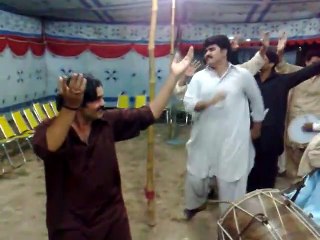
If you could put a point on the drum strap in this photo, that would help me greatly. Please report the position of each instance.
(301, 185)
(260, 217)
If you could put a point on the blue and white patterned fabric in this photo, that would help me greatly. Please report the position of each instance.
(105, 32)
(309, 197)
(299, 29)
(15, 24)
(128, 73)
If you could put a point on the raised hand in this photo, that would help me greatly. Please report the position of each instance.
(192, 68)
(282, 42)
(73, 92)
(235, 42)
(179, 67)
(265, 40)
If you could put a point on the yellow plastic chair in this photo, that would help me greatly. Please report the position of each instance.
(140, 101)
(53, 105)
(21, 124)
(47, 108)
(123, 101)
(39, 112)
(11, 136)
(30, 118)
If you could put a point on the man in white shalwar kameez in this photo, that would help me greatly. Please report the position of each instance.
(220, 144)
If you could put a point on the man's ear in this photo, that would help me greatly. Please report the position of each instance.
(224, 52)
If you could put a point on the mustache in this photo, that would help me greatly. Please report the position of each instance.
(205, 59)
(101, 108)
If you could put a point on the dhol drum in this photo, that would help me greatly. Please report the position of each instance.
(295, 132)
(264, 215)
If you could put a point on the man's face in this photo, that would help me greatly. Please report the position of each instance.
(267, 65)
(313, 60)
(214, 54)
(94, 110)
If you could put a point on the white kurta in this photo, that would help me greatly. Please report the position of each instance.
(220, 143)
(253, 66)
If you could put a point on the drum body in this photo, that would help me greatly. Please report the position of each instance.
(295, 132)
(264, 215)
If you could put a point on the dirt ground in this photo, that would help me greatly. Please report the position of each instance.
(22, 198)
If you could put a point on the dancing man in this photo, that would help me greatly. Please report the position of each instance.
(84, 198)
(303, 99)
(269, 146)
(220, 139)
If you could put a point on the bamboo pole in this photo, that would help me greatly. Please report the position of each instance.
(150, 193)
(173, 17)
(172, 125)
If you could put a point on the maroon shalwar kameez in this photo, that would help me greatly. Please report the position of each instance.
(84, 198)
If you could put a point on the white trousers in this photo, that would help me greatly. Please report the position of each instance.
(197, 189)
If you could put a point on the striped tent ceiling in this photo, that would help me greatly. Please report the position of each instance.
(187, 11)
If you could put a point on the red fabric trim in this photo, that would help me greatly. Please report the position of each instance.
(150, 195)
(110, 51)
(37, 48)
(3, 44)
(104, 50)
(19, 38)
(159, 51)
(66, 50)
(19, 48)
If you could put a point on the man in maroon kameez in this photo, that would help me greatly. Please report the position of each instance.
(84, 198)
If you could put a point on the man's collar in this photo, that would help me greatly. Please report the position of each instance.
(230, 65)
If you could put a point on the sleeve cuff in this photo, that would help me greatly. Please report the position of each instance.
(180, 89)
(316, 126)
(259, 59)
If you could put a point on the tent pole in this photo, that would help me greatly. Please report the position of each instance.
(149, 190)
(172, 124)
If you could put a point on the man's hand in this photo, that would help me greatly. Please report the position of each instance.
(192, 68)
(308, 127)
(189, 72)
(256, 130)
(219, 96)
(179, 67)
(281, 45)
(265, 41)
(282, 42)
(235, 42)
(73, 93)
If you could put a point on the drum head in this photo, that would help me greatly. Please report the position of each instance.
(295, 132)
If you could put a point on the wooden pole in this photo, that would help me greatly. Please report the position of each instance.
(150, 192)
(173, 17)
(172, 125)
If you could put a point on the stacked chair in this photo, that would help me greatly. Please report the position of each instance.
(21, 129)
(123, 102)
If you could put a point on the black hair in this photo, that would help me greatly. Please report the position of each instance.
(90, 93)
(312, 53)
(272, 57)
(222, 41)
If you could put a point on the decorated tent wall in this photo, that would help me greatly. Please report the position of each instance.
(115, 54)
(31, 60)
(23, 69)
(109, 39)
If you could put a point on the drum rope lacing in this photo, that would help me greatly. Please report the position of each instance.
(264, 219)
